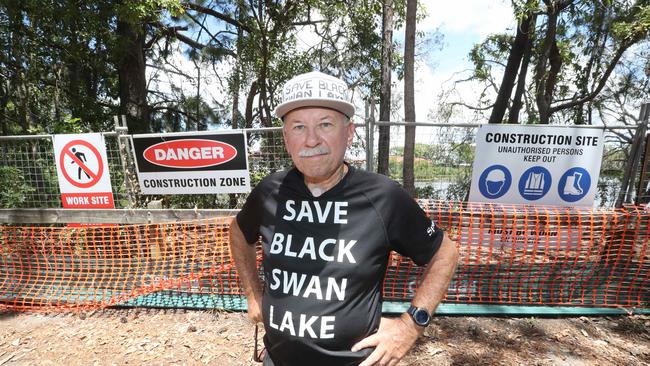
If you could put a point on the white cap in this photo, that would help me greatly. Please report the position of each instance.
(315, 89)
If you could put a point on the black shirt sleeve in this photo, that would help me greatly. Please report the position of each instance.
(410, 232)
(249, 217)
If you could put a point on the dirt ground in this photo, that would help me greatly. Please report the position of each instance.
(178, 337)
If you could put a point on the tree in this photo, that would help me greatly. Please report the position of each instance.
(66, 61)
(520, 50)
(409, 97)
(131, 68)
(384, 99)
(573, 48)
(55, 66)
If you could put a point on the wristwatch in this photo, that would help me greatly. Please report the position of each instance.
(420, 316)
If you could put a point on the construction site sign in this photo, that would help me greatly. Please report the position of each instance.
(82, 169)
(192, 163)
(542, 165)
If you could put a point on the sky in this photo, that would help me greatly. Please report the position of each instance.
(464, 23)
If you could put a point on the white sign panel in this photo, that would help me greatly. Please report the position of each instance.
(543, 165)
(82, 169)
(192, 163)
(508, 239)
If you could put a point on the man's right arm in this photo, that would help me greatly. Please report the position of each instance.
(244, 256)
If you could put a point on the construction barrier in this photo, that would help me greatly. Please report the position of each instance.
(517, 255)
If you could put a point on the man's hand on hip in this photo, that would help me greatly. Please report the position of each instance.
(392, 341)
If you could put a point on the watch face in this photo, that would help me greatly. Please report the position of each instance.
(421, 316)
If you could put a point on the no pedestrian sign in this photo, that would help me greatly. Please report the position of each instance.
(545, 165)
(82, 169)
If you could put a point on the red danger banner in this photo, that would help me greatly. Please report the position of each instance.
(190, 153)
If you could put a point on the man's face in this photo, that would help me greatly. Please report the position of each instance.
(316, 138)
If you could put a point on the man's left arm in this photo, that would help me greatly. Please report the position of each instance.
(396, 336)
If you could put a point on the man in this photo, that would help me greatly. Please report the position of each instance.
(327, 230)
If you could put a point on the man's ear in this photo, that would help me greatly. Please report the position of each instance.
(350, 131)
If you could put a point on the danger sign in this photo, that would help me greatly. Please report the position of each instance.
(82, 169)
(192, 163)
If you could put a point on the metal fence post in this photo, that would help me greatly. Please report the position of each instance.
(366, 126)
(627, 184)
(122, 132)
(370, 138)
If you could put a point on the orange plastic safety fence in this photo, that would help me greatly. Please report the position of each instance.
(88, 267)
(509, 255)
(528, 255)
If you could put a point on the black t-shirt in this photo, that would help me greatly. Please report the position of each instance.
(325, 259)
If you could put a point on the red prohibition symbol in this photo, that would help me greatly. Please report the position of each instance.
(94, 176)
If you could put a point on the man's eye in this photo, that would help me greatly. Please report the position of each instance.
(326, 124)
(298, 127)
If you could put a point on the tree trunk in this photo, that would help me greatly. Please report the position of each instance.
(23, 108)
(263, 100)
(236, 79)
(510, 73)
(384, 99)
(235, 87)
(541, 74)
(545, 80)
(4, 101)
(57, 93)
(597, 43)
(517, 100)
(248, 116)
(132, 78)
(409, 97)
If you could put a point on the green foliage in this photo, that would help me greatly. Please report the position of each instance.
(449, 164)
(589, 36)
(423, 169)
(60, 60)
(68, 125)
(55, 62)
(635, 26)
(14, 188)
(135, 11)
(483, 55)
(613, 162)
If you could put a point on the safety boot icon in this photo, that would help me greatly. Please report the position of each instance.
(572, 185)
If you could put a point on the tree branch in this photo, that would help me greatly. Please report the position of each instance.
(169, 71)
(308, 22)
(173, 31)
(471, 107)
(603, 80)
(212, 37)
(216, 14)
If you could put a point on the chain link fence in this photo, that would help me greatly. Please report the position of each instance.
(443, 166)
(28, 172)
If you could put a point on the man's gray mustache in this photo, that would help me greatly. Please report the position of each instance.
(318, 150)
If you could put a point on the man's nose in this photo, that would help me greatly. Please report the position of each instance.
(312, 138)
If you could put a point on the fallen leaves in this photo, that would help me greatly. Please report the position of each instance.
(226, 339)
